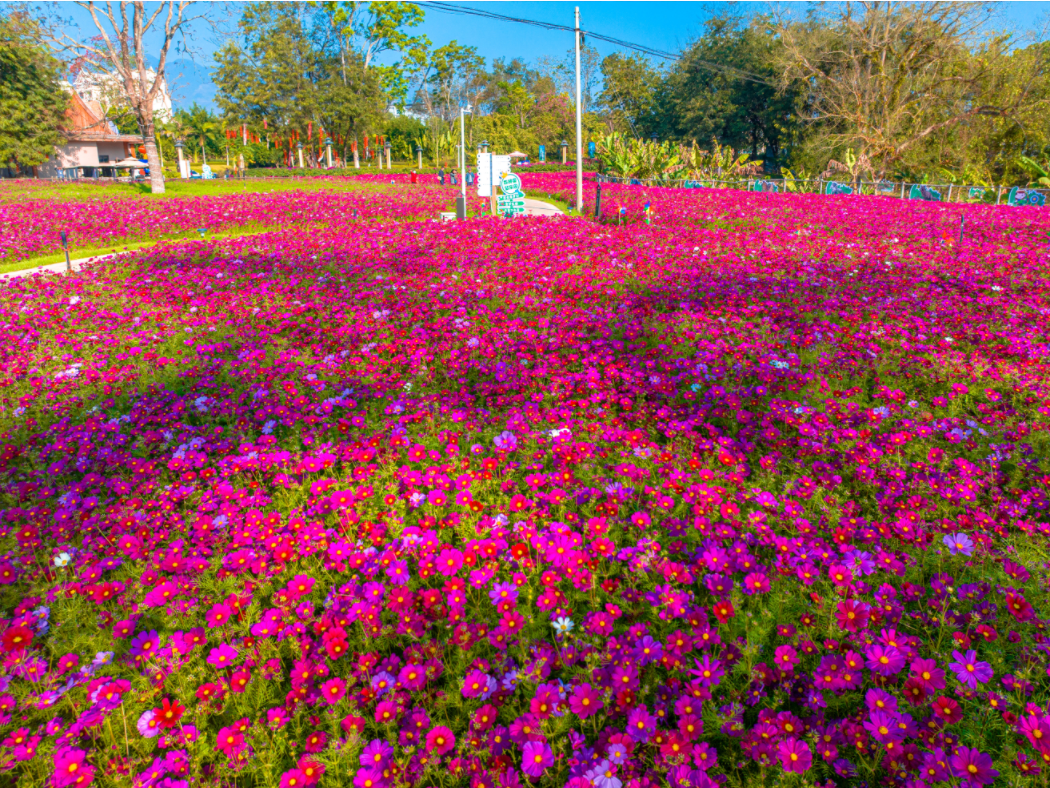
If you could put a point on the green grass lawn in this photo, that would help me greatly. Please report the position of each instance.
(89, 190)
(79, 253)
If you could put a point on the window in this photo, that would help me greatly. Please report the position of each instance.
(103, 158)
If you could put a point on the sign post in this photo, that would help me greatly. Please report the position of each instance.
(512, 201)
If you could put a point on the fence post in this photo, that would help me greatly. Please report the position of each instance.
(904, 190)
(999, 195)
(950, 185)
(598, 203)
(821, 187)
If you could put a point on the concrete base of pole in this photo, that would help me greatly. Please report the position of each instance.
(461, 208)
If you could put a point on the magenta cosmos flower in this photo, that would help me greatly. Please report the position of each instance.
(536, 756)
(794, 755)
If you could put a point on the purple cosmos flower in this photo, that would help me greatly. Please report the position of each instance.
(959, 543)
(885, 660)
(968, 670)
(536, 756)
(640, 724)
(503, 592)
(973, 767)
(506, 441)
(603, 775)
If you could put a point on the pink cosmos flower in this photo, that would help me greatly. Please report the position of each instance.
(222, 656)
(585, 701)
(333, 690)
(72, 768)
(440, 740)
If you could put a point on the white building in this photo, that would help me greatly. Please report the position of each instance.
(107, 91)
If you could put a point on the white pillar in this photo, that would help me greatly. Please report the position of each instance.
(579, 121)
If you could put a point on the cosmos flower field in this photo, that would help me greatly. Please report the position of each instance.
(752, 491)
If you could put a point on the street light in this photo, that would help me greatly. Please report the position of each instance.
(419, 155)
(484, 146)
(328, 151)
(179, 146)
(387, 148)
(654, 138)
(461, 201)
(299, 145)
(564, 151)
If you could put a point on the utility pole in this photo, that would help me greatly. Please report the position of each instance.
(579, 121)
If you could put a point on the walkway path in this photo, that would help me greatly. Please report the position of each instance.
(541, 208)
(57, 268)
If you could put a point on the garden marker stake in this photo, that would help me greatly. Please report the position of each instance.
(65, 248)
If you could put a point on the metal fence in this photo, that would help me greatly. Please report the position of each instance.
(927, 192)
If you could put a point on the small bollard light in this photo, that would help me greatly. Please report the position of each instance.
(65, 248)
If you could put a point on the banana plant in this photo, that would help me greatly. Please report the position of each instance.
(797, 182)
(1041, 171)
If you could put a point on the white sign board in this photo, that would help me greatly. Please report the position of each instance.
(490, 167)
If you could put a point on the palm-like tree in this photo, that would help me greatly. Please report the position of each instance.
(202, 125)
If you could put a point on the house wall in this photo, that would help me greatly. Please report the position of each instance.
(77, 154)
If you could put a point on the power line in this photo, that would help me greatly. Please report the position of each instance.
(717, 68)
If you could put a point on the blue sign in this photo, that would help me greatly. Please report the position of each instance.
(591, 152)
(834, 187)
(543, 153)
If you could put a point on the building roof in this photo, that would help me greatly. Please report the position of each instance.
(85, 124)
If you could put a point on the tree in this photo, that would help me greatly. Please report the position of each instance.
(275, 75)
(370, 29)
(32, 103)
(888, 78)
(295, 72)
(724, 89)
(119, 52)
(201, 126)
(629, 93)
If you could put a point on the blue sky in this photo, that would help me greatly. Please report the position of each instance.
(661, 25)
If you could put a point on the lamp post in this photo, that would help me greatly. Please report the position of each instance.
(484, 146)
(461, 201)
(564, 152)
(654, 138)
(388, 162)
(328, 151)
(179, 145)
(299, 147)
(419, 156)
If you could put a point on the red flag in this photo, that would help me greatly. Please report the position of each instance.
(264, 123)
